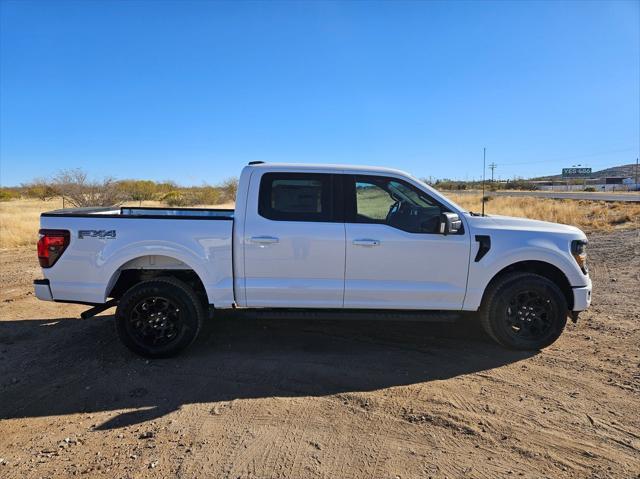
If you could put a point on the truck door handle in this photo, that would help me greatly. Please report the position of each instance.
(366, 242)
(264, 239)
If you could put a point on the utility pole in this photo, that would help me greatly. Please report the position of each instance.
(484, 169)
(638, 189)
(493, 166)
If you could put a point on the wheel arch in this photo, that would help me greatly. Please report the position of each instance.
(542, 268)
(150, 266)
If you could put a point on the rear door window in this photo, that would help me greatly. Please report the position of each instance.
(296, 197)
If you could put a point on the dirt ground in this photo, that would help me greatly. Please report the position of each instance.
(297, 399)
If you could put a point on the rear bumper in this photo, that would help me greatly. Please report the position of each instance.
(582, 297)
(42, 289)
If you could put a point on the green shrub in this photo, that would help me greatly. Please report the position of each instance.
(138, 190)
(177, 198)
(7, 194)
(207, 195)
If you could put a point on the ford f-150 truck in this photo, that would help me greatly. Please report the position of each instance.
(338, 240)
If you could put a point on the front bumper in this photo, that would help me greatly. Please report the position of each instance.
(582, 297)
(42, 289)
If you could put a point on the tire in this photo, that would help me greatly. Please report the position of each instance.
(159, 318)
(524, 311)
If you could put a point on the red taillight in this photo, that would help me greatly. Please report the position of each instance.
(51, 245)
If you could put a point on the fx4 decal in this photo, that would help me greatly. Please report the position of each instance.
(101, 234)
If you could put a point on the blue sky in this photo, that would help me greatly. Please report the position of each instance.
(192, 91)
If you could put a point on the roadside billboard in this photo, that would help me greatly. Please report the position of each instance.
(575, 172)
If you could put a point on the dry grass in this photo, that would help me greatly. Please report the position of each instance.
(587, 215)
(20, 219)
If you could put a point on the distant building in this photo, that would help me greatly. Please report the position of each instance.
(613, 180)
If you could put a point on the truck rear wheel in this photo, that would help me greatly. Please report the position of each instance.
(160, 317)
(524, 311)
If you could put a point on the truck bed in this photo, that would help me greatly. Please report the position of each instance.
(103, 245)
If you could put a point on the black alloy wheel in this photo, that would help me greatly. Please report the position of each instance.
(156, 321)
(160, 317)
(529, 314)
(524, 311)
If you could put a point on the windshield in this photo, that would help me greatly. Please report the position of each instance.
(448, 200)
(408, 195)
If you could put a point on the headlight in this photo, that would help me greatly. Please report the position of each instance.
(579, 252)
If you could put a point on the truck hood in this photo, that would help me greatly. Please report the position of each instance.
(510, 223)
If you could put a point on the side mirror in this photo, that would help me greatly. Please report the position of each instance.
(450, 223)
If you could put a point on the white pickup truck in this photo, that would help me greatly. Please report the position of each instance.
(339, 240)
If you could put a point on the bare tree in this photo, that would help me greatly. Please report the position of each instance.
(228, 189)
(75, 187)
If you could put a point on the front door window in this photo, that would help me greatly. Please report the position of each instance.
(388, 201)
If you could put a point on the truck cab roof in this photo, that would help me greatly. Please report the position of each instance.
(327, 168)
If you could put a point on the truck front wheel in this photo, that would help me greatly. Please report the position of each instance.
(524, 311)
(159, 318)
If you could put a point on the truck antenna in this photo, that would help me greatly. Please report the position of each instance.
(484, 162)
